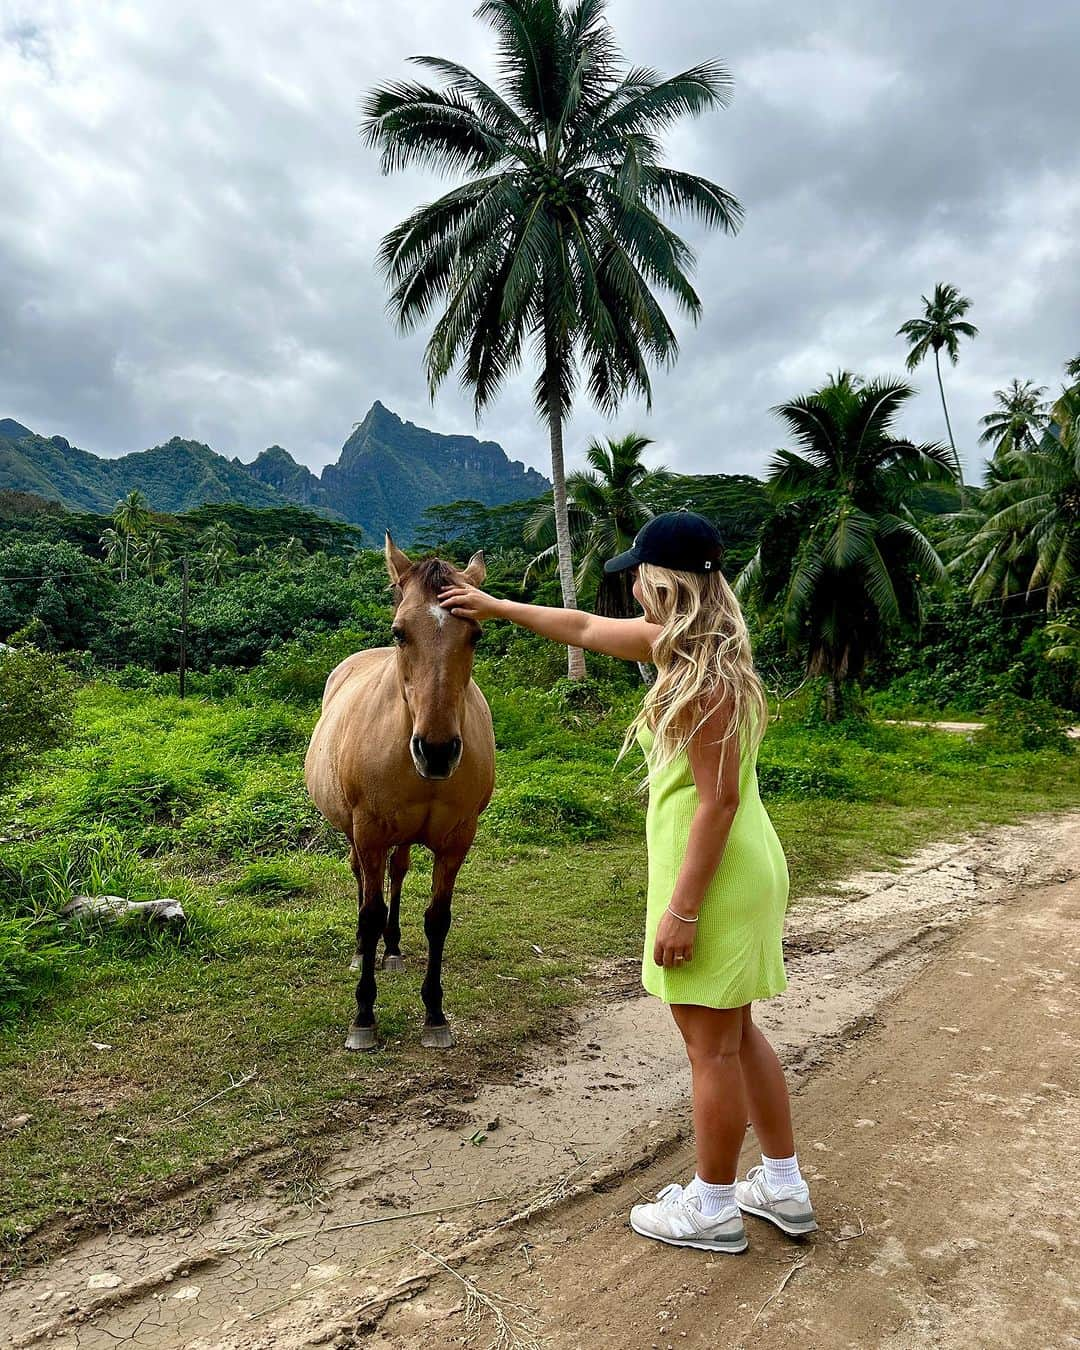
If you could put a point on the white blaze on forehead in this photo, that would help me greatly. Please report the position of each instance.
(439, 614)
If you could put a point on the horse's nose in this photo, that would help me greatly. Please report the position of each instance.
(436, 759)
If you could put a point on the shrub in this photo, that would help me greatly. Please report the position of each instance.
(1014, 723)
(253, 731)
(966, 656)
(35, 708)
(268, 813)
(792, 780)
(546, 803)
(132, 793)
(296, 671)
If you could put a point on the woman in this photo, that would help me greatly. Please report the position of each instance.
(717, 881)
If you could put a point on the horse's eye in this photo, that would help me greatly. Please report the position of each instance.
(398, 635)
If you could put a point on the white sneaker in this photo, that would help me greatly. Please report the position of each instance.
(675, 1216)
(786, 1206)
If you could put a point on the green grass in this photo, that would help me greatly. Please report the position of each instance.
(145, 1058)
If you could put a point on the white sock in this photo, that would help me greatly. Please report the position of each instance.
(782, 1171)
(714, 1197)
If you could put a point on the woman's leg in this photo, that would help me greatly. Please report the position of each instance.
(766, 1091)
(713, 1038)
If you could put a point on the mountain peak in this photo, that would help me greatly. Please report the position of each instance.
(377, 415)
(388, 472)
(11, 430)
(275, 454)
(275, 467)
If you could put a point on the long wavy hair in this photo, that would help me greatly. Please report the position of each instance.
(702, 656)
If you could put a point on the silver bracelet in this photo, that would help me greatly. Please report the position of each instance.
(683, 916)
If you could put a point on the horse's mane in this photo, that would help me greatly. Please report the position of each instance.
(432, 575)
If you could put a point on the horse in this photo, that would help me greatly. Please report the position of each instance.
(403, 753)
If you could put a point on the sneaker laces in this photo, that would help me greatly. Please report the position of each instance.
(756, 1177)
(674, 1195)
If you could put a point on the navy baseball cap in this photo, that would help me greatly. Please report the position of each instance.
(681, 539)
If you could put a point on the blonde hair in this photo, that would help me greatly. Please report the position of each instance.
(702, 657)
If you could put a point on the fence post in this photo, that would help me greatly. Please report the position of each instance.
(183, 625)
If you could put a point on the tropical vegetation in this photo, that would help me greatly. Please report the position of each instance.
(555, 240)
(1026, 539)
(940, 326)
(842, 558)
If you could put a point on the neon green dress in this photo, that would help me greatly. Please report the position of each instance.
(738, 954)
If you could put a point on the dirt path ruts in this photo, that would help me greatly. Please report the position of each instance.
(932, 1023)
(943, 1148)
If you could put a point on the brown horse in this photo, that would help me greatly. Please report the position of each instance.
(403, 754)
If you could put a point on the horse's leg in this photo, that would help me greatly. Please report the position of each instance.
(399, 866)
(436, 1031)
(358, 873)
(371, 865)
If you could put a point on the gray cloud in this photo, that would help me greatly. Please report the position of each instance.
(190, 218)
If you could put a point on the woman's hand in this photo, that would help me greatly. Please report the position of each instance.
(674, 944)
(469, 602)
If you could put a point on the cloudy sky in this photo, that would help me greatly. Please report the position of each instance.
(190, 219)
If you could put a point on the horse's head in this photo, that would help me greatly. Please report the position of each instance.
(434, 656)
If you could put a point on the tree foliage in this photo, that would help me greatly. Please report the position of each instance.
(842, 559)
(35, 708)
(1023, 534)
(606, 507)
(556, 241)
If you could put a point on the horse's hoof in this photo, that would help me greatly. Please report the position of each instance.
(393, 961)
(360, 1038)
(357, 962)
(437, 1038)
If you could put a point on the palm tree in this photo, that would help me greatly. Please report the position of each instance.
(1072, 368)
(214, 564)
(218, 536)
(1019, 419)
(1032, 513)
(841, 557)
(112, 545)
(555, 239)
(217, 545)
(1065, 636)
(154, 552)
(989, 557)
(942, 325)
(292, 552)
(606, 508)
(130, 516)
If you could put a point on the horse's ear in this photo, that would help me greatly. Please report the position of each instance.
(397, 564)
(476, 569)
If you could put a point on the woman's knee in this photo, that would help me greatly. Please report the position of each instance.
(712, 1035)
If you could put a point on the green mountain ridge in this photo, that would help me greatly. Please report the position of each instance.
(388, 472)
(174, 477)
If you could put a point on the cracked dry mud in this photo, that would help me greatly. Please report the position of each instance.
(930, 1031)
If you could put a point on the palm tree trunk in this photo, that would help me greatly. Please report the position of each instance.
(944, 406)
(575, 657)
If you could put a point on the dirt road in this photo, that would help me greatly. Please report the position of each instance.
(931, 1032)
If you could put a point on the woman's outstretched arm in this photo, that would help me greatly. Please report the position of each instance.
(628, 639)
